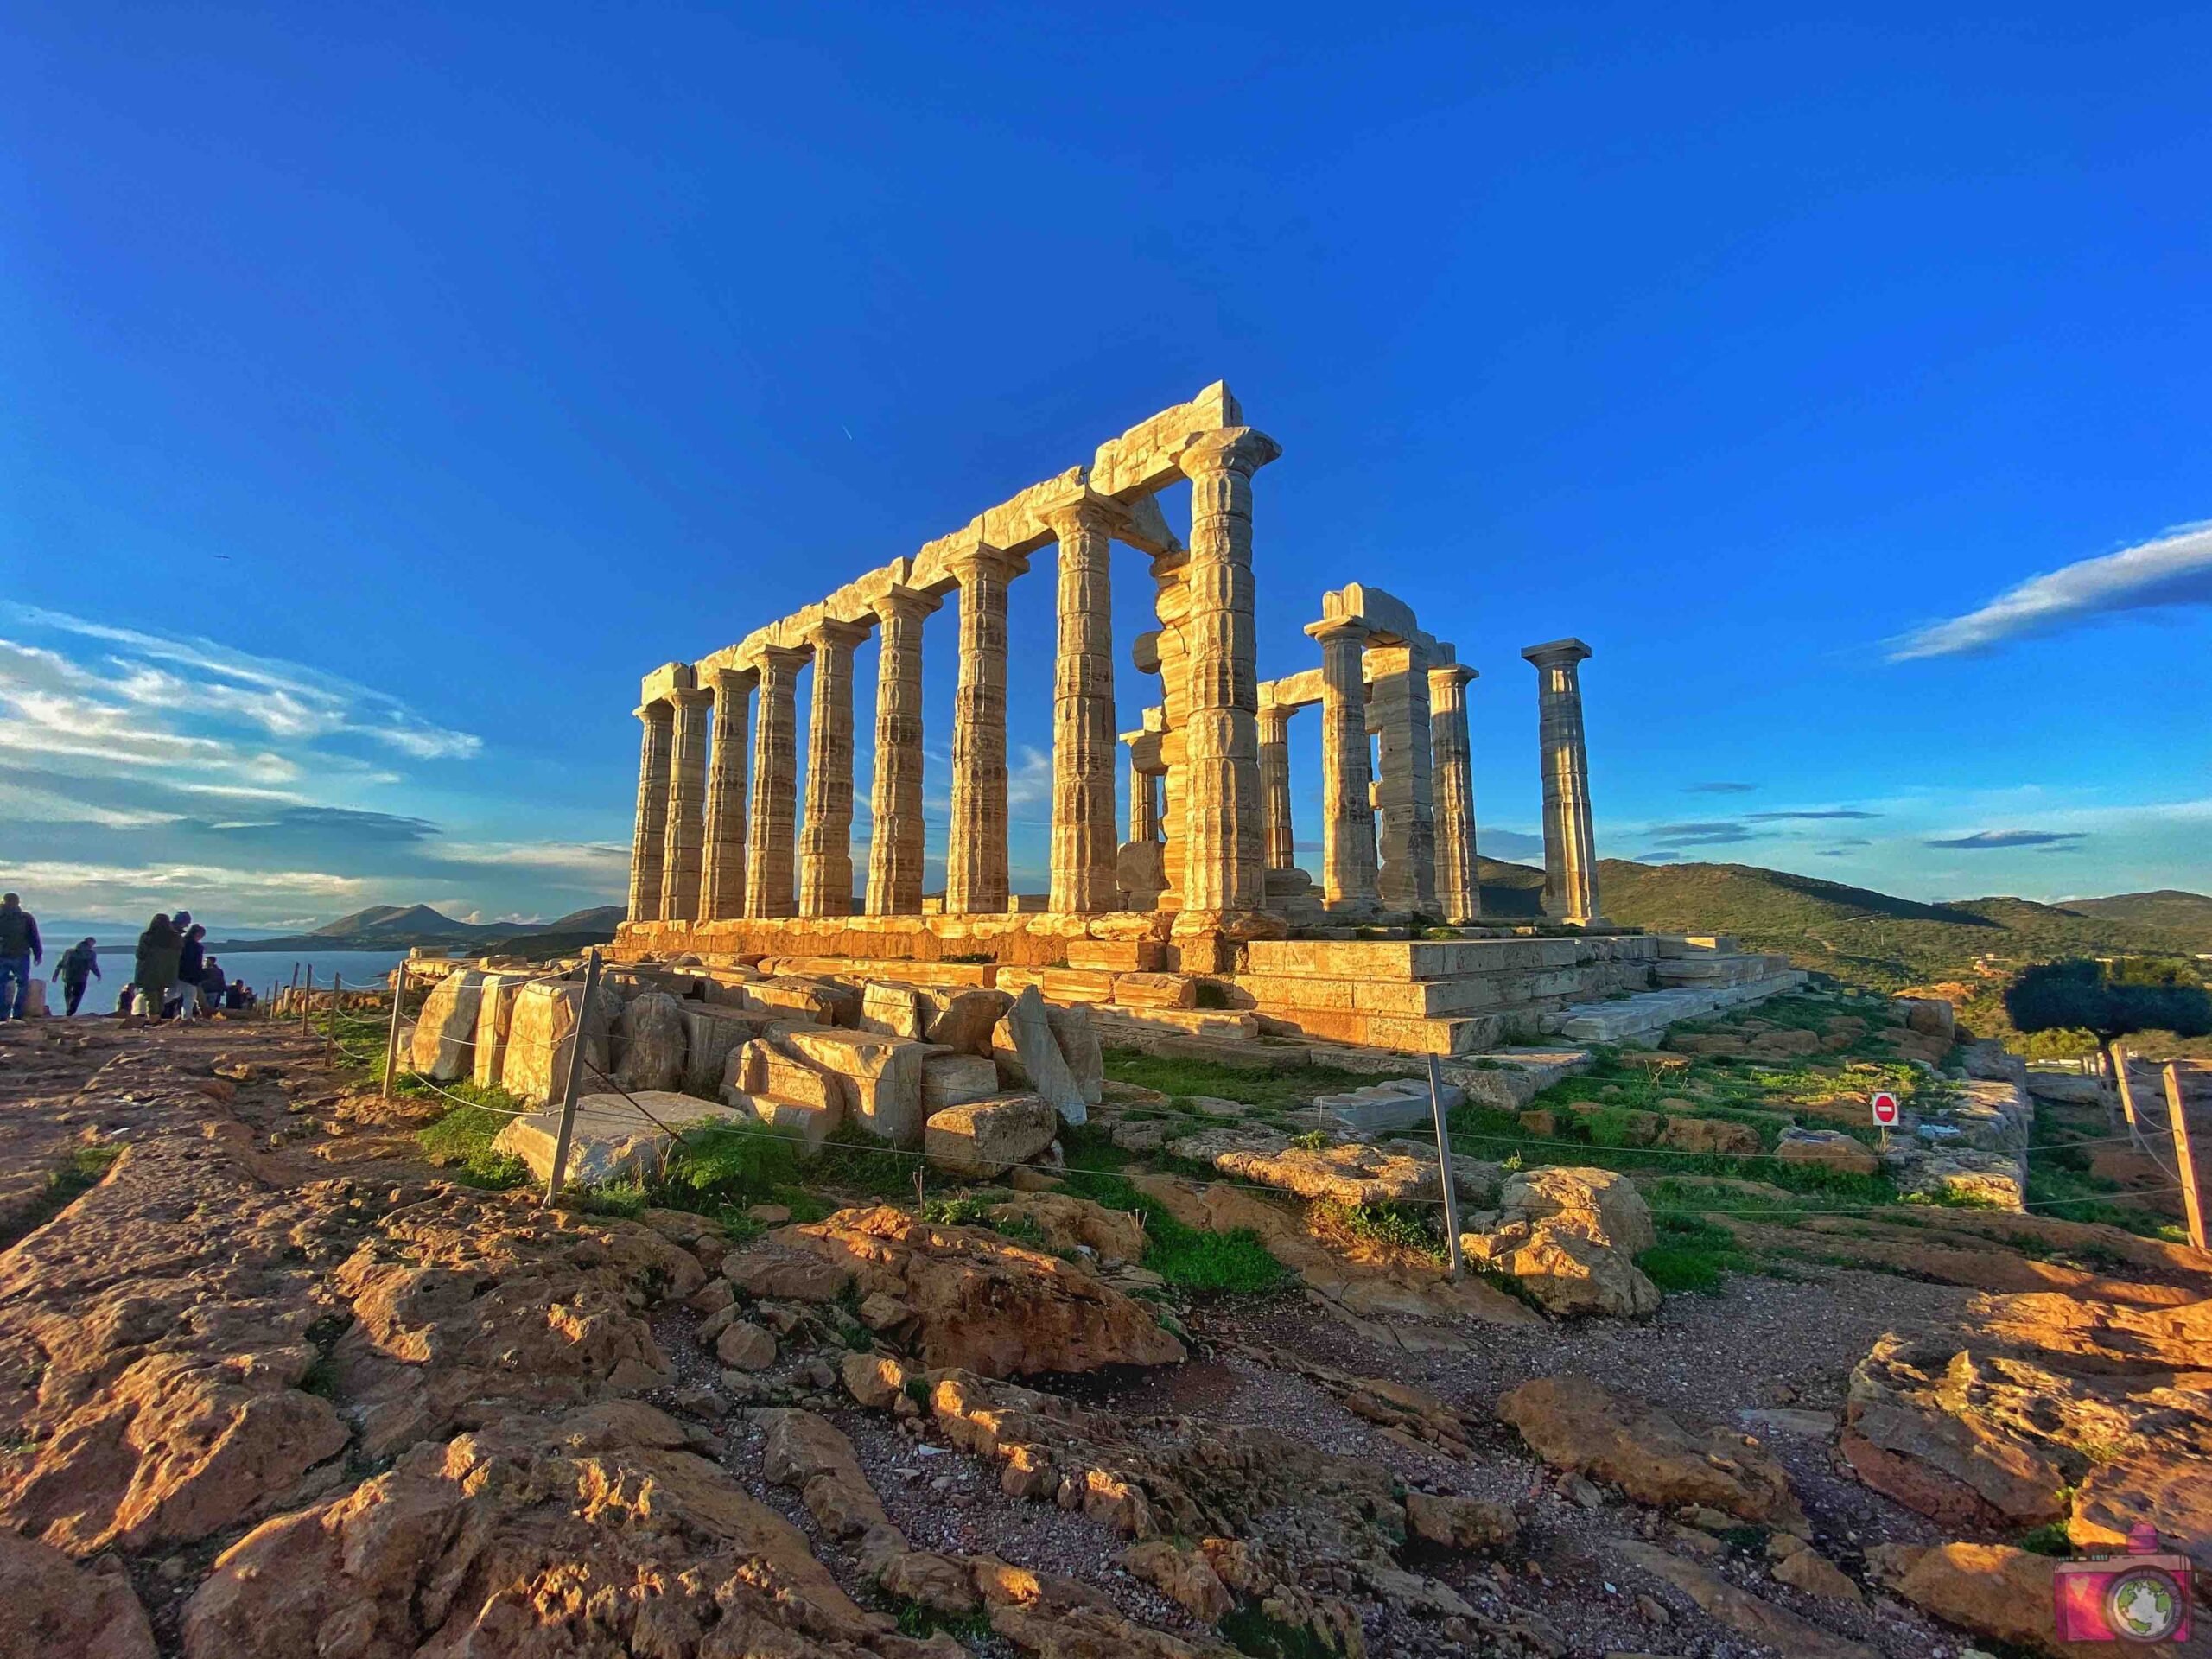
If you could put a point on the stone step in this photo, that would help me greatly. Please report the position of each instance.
(1221, 1024)
(1647, 1014)
(1403, 959)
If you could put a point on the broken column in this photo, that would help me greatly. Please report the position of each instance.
(721, 876)
(1224, 860)
(975, 857)
(1459, 886)
(826, 842)
(1347, 814)
(649, 842)
(687, 805)
(775, 777)
(1280, 842)
(1083, 848)
(1406, 807)
(1570, 845)
(894, 852)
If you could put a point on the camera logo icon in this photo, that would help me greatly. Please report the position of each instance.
(2142, 1596)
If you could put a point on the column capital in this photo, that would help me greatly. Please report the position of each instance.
(829, 633)
(1559, 653)
(979, 558)
(907, 602)
(1081, 508)
(658, 709)
(691, 696)
(778, 662)
(731, 681)
(1331, 629)
(1242, 449)
(1452, 674)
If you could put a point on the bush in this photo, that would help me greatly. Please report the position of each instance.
(461, 1141)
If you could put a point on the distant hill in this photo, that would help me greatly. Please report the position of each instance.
(1858, 935)
(403, 927)
(417, 924)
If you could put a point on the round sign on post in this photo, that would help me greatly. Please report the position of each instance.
(1886, 1109)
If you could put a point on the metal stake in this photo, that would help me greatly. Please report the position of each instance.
(1444, 1167)
(307, 999)
(2192, 1200)
(391, 1036)
(568, 1087)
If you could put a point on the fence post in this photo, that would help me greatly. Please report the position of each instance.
(330, 1041)
(307, 999)
(391, 1036)
(2127, 1094)
(1444, 1167)
(2192, 1199)
(567, 1129)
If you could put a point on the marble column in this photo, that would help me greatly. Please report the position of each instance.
(722, 878)
(894, 851)
(825, 841)
(1275, 788)
(687, 806)
(1224, 859)
(975, 857)
(1405, 798)
(1458, 886)
(1570, 844)
(775, 782)
(1083, 712)
(649, 842)
(1347, 807)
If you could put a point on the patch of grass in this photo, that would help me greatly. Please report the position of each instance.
(1249, 1630)
(1187, 1257)
(713, 1165)
(2048, 1539)
(625, 1198)
(85, 1168)
(1693, 1254)
(2082, 1198)
(922, 1623)
(1403, 1225)
(460, 1142)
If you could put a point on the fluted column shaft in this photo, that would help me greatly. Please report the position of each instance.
(721, 877)
(1570, 842)
(1405, 797)
(1347, 805)
(894, 852)
(649, 840)
(775, 783)
(687, 806)
(1275, 789)
(975, 857)
(1224, 859)
(1458, 885)
(826, 842)
(1082, 715)
(1144, 806)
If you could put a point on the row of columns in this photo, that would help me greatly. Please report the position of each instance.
(700, 854)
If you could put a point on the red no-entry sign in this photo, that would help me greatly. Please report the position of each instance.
(1886, 1109)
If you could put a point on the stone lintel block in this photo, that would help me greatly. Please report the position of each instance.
(880, 1078)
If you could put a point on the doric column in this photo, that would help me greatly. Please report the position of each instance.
(826, 842)
(1459, 886)
(775, 780)
(894, 851)
(1570, 844)
(975, 868)
(687, 806)
(722, 878)
(1082, 711)
(649, 840)
(1405, 799)
(1224, 859)
(1274, 787)
(1347, 808)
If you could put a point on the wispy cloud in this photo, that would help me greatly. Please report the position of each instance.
(1807, 817)
(1989, 840)
(1660, 857)
(2172, 571)
(1719, 789)
(1508, 843)
(1700, 834)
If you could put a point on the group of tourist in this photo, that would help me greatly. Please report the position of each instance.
(174, 977)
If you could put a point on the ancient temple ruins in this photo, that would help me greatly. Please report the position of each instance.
(728, 858)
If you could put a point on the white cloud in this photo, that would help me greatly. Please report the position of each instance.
(596, 858)
(2174, 570)
(126, 889)
(1030, 782)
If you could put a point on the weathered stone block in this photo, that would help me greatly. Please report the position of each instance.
(1029, 1056)
(894, 1010)
(444, 1045)
(712, 1033)
(963, 1019)
(540, 1036)
(759, 1068)
(653, 1043)
(1118, 955)
(495, 1013)
(616, 1137)
(986, 1138)
(810, 1125)
(956, 1080)
(1078, 1039)
(880, 1078)
(1149, 990)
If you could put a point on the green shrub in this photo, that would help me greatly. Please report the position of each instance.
(461, 1141)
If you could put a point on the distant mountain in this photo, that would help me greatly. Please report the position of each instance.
(418, 923)
(403, 927)
(2187, 914)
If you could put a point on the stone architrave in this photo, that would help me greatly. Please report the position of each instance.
(1570, 844)
(1223, 861)
(1274, 787)
(1083, 848)
(894, 852)
(721, 875)
(1459, 886)
(775, 781)
(649, 843)
(1405, 801)
(687, 805)
(1347, 808)
(975, 857)
(825, 841)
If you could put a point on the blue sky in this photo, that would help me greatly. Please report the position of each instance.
(389, 390)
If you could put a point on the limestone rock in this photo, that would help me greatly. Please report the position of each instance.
(1028, 1056)
(744, 1346)
(1141, 990)
(1998, 1592)
(1460, 1523)
(653, 1041)
(784, 1273)
(1813, 1573)
(1708, 1135)
(615, 1137)
(962, 1020)
(1183, 1576)
(540, 1036)
(1078, 1039)
(443, 1048)
(1831, 1149)
(983, 1302)
(809, 1453)
(1351, 1173)
(988, 1137)
(879, 1078)
(875, 1380)
(956, 1079)
(1569, 1237)
(712, 1033)
(760, 1067)
(48, 1604)
(893, 1009)
(1574, 1424)
(1068, 1223)
(1742, 1611)
(495, 1013)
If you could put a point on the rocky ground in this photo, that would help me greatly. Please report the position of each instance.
(270, 1384)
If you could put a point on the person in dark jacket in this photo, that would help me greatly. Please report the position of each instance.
(191, 963)
(80, 962)
(159, 950)
(19, 949)
(212, 985)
